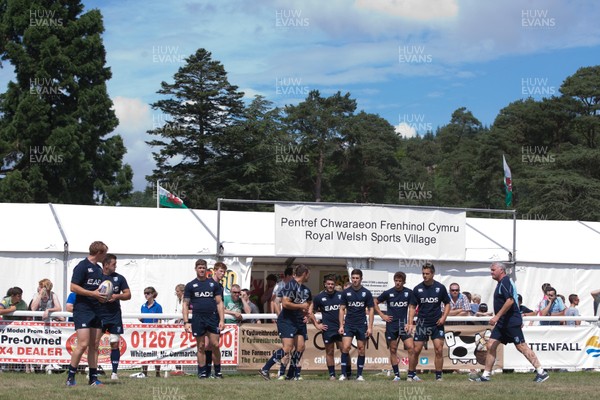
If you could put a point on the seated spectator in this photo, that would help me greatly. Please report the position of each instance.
(475, 301)
(553, 306)
(253, 307)
(483, 312)
(46, 300)
(459, 304)
(234, 306)
(527, 312)
(12, 302)
(70, 304)
(572, 311)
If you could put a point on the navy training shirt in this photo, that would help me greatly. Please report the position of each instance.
(506, 289)
(202, 295)
(328, 304)
(430, 300)
(356, 302)
(298, 294)
(89, 276)
(397, 302)
(119, 284)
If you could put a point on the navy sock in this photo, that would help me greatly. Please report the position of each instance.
(72, 372)
(93, 375)
(202, 370)
(277, 356)
(396, 371)
(344, 363)
(360, 364)
(208, 354)
(282, 369)
(296, 363)
(115, 356)
(331, 369)
(411, 373)
(217, 368)
(438, 374)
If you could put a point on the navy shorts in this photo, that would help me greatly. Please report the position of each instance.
(359, 332)
(424, 332)
(204, 323)
(85, 317)
(393, 331)
(289, 329)
(331, 336)
(508, 334)
(113, 325)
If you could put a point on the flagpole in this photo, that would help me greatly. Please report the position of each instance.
(157, 193)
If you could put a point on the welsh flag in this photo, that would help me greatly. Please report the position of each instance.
(168, 199)
(507, 183)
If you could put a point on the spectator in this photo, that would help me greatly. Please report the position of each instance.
(253, 307)
(572, 311)
(526, 311)
(459, 304)
(475, 301)
(150, 307)
(552, 306)
(265, 299)
(46, 300)
(483, 312)
(12, 302)
(544, 298)
(234, 306)
(178, 310)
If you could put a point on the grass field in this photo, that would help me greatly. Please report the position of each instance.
(563, 385)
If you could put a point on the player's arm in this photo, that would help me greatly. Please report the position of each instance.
(410, 322)
(507, 305)
(87, 293)
(220, 310)
(288, 304)
(386, 318)
(124, 295)
(442, 320)
(371, 314)
(185, 314)
(342, 313)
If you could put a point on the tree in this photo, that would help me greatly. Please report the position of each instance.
(584, 88)
(317, 123)
(56, 115)
(200, 105)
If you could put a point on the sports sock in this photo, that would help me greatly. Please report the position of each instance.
(72, 372)
(539, 370)
(360, 364)
(396, 371)
(208, 354)
(202, 370)
(411, 373)
(93, 375)
(296, 363)
(115, 356)
(331, 369)
(282, 367)
(217, 369)
(486, 374)
(277, 356)
(344, 363)
(438, 374)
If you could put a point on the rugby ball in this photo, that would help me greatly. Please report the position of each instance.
(106, 288)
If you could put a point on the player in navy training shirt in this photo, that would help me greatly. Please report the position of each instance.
(356, 301)
(291, 322)
(112, 320)
(397, 300)
(328, 304)
(205, 296)
(429, 296)
(87, 277)
(507, 323)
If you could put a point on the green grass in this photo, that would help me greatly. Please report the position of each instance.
(564, 385)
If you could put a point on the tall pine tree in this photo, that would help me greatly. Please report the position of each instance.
(56, 115)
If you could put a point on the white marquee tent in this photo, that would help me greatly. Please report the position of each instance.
(158, 247)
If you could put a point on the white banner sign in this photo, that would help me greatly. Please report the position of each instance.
(365, 231)
(558, 347)
(159, 344)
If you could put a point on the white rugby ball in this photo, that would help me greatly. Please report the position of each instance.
(106, 288)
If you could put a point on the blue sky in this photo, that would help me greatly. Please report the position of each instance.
(413, 62)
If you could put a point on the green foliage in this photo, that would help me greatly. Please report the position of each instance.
(56, 115)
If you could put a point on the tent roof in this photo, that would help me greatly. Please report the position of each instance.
(170, 232)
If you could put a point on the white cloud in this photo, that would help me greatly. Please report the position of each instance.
(405, 130)
(412, 9)
(135, 118)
